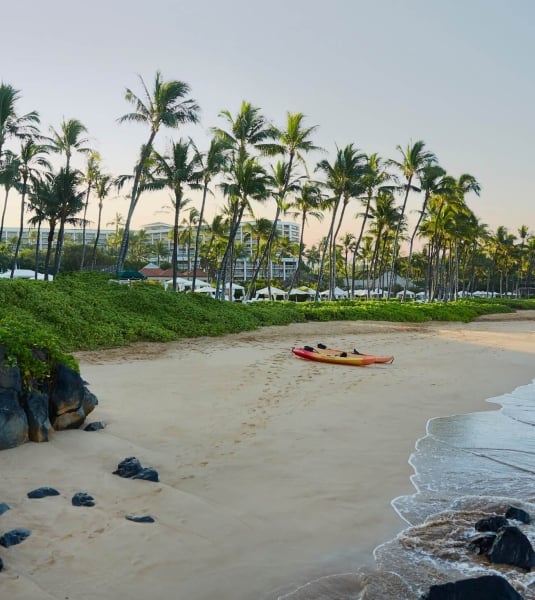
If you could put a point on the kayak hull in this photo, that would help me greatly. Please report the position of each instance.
(377, 358)
(352, 360)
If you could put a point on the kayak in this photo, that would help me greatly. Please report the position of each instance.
(335, 357)
(377, 358)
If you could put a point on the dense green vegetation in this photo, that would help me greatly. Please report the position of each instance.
(252, 163)
(85, 311)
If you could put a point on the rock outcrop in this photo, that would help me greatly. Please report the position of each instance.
(63, 402)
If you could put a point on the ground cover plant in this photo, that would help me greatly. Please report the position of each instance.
(85, 311)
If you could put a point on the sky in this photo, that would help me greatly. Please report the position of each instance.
(456, 74)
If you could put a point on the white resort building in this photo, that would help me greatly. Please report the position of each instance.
(281, 268)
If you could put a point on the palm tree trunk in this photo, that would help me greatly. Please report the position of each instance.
(95, 245)
(21, 224)
(84, 225)
(123, 249)
(50, 240)
(396, 238)
(3, 215)
(198, 237)
(37, 244)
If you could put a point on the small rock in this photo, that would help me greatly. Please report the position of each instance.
(96, 425)
(1, 564)
(42, 492)
(128, 467)
(140, 519)
(148, 474)
(4, 507)
(14, 537)
(82, 499)
(481, 545)
(491, 523)
(517, 514)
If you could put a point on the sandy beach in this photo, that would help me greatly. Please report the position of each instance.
(273, 470)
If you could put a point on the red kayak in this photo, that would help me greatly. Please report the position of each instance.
(333, 357)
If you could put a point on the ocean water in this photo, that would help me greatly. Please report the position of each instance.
(465, 468)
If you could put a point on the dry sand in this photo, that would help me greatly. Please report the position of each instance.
(273, 470)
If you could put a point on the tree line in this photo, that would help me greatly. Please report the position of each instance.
(253, 162)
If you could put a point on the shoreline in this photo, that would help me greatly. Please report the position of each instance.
(273, 470)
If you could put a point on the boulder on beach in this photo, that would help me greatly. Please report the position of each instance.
(487, 587)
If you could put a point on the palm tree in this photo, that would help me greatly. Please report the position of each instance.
(385, 217)
(344, 180)
(31, 157)
(91, 176)
(307, 204)
(68, 140)
(248, 128)
(190, 223)
(433, 180)
(175, 171)
(40, 200)
(9, 178)
(69, 202)
(292, 142)
(246, 180)
(281, 185)
(10, 123)
(414, 157)
(103, 185)
(211, 163)
(165, 106)
(374, 178)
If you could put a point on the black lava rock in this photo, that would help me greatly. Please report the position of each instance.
(482, 545)
(14, 537)
(128, 467)
(517, 514)
(82, 499)
(491, 523)
(512, 547)
(148, 474)
(140, 519)
(487, 587)
(95, 426)
(42, 492)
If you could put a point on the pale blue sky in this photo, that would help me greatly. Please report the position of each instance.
(457, 74)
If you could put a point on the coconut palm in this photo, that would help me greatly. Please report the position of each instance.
(414, 157)
(433, 180)
(103, 185)
(68, 139)
(385, 217)
(292, 142)
(164, 106)
(246, 180)
(39, 201)
(374, 178)
(248, 128)
(11, 124)
(90, 178)
(308, 203)
(9, 179)
(176, 170)
(69, 202)
(344, 180)
(32, 157)
(211, 163)
(281, 184)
